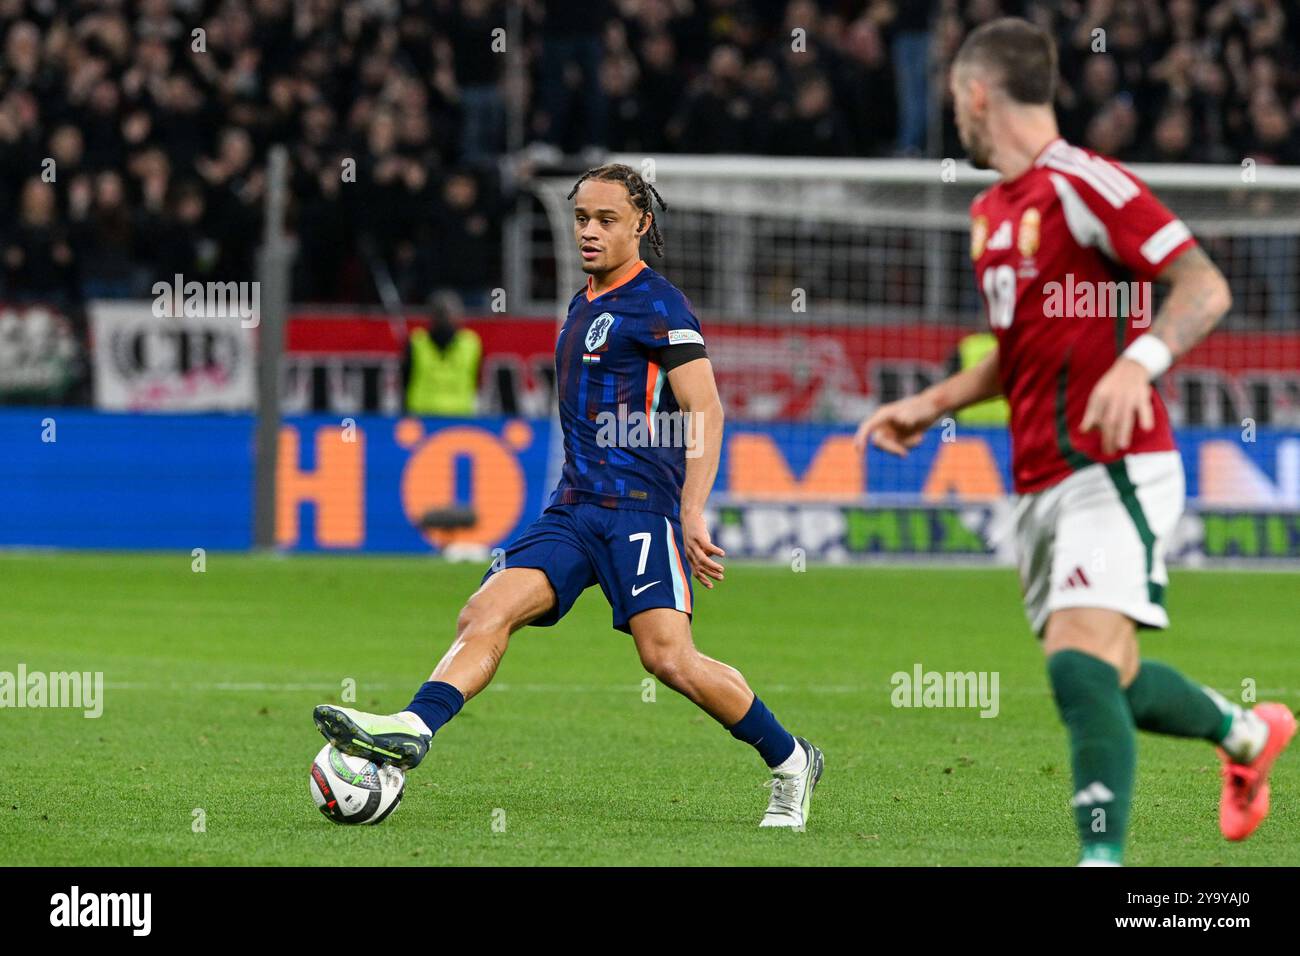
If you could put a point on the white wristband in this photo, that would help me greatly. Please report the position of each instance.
(1151, 353)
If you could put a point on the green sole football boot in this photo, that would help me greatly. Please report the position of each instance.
(379, 737)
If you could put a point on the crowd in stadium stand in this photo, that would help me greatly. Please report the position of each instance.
(133, 148)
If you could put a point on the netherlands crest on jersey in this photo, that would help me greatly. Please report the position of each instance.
(598, 331)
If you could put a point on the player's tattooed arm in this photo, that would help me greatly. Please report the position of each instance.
(696, 392)
(1198, 298)
(1122, 398)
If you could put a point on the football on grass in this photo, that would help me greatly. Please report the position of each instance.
(353, 789)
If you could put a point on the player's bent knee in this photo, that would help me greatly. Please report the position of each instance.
(506, 601)
(481, 617)
(1106, 635)
(672, 667)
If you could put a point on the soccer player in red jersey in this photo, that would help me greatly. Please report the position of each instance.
(1065, 247)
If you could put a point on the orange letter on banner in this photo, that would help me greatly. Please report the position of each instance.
(497, 490)
(965, 469)
(758, 470)
(336, 488)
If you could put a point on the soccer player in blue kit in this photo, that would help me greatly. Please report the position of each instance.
(642, 426)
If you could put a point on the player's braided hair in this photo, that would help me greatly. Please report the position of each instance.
(638, 190)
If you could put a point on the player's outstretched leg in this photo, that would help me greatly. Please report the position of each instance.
(1244, 803)
(1163, 701)
(663, 640)
(506, 602)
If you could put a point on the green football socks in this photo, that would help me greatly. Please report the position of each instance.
(1103, 749)
(1163, 701)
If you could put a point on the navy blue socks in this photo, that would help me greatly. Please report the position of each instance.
(761, 730)
(435, 703)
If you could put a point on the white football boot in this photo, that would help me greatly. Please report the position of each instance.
(792, 793)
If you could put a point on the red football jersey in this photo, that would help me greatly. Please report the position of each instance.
(1065, 255)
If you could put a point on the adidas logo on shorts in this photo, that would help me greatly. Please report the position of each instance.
(1077, 579)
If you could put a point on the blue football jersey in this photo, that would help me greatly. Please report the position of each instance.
(624, 435)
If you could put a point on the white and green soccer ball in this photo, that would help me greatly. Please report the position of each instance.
(351, 789)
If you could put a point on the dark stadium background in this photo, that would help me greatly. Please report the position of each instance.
(161, 150)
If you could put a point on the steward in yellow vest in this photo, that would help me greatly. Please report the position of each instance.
(992, 411)
(443, 376)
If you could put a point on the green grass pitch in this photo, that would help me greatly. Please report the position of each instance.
(211, 678)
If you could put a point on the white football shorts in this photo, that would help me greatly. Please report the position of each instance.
(1098, 538)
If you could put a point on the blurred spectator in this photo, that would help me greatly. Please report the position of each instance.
(911, 52)
(1111, 131)
(660, 85)
(478, 74)
(186, 244)
(1172, 139)
(466, 227)
(1271, 136)
(814, 128)
(717, 116)
(626, 122)
(867, 82)
(570, 72)
(104, 237)
(39, 263)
